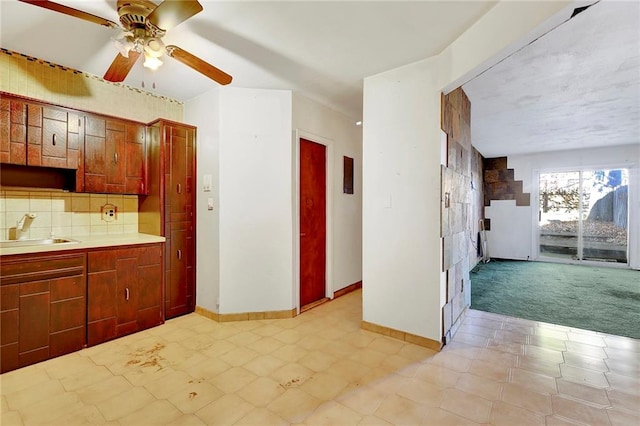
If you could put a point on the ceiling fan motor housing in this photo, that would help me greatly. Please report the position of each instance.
(133, 17)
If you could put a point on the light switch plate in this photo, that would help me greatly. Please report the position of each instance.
(206, 183)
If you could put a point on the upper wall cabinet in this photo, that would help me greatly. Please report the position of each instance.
(13, 136)
(35, 134)
(53, 138)
(115, 156)
(109, 154)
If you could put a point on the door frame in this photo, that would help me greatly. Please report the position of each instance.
(328, 143)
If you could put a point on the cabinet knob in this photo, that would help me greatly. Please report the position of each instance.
(126, 293)
(115, 157)
(179, 254)
(179, 189)
(54, 139)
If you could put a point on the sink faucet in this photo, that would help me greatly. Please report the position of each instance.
(23, 225)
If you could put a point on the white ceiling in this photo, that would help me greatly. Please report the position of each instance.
(322, 49)
(576, 87)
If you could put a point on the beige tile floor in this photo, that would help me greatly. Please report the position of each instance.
(321, 368)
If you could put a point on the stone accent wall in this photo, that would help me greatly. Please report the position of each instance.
(461, 208)
(500, 184)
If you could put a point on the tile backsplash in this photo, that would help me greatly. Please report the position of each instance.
(66, 214)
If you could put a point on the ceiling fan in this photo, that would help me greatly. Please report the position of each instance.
(143, 24)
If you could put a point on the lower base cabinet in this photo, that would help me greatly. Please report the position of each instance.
(124, 291)
(57, 303)
(42, 308)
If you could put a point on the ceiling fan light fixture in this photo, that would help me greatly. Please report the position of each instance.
(153, 50)
(154, 47)
(151, 62)
(123, 43)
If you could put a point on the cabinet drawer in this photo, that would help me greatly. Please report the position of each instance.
(105, 260)
(20, 269)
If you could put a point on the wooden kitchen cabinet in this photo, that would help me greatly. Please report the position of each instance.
(124, 291)
(135, 140)
(176, 166)
(42, 307)
(36, 134)
(53, 137)
(115, 156)
(13, 131)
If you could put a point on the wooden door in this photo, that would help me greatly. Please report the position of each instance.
(312, 221)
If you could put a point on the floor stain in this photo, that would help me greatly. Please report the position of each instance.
(147, 357)
(291, 383)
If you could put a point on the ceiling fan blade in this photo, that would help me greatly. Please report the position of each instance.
(199, 65)
(72, 12)
(121, 66)
(170, 13)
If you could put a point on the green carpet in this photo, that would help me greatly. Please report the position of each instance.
(593, 298)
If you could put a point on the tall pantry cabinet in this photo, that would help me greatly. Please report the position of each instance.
(172, 165)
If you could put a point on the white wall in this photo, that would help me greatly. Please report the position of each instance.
(506, 240)
(510, 235)
(401, 208)
(203, 112)
(402, 286)
(255, 200)
(313, 120)
(245, 246)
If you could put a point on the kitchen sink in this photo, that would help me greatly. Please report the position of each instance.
(36, 242)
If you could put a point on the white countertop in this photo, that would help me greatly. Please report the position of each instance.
(86, 242)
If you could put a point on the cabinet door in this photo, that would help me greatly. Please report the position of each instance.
(136, 159)
(13, 136)
(180, 286)
(124, 291)
(101, 296)
(127, 291)
(179, 221)
(149, 286)
(54, 137)
(47, 136)
(42, 307)
(115, 157)
(68, 315)
(180, 169)
(106, 157)
(95, 179)
(9, 326)
(34, 322)
(75, 149)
